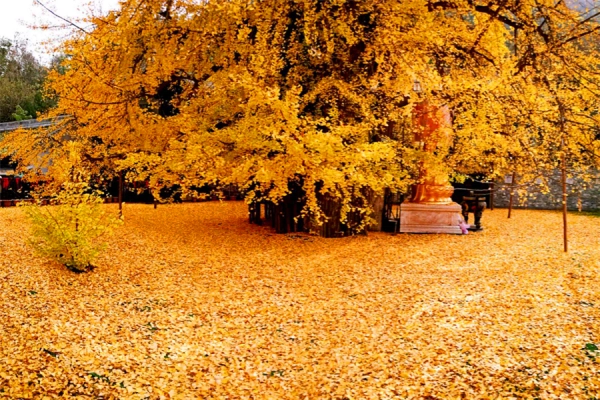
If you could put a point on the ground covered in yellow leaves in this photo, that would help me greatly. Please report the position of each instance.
(190, 301)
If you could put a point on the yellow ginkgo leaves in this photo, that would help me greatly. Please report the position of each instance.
(192, 302)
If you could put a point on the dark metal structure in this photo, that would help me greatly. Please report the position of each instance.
(474, 204)
(391, 211)
(474, 195)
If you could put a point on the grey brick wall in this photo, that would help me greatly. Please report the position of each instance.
(581, 194)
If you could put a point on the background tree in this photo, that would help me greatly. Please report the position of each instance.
(21, 82)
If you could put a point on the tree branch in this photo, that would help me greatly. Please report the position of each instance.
(59, 17)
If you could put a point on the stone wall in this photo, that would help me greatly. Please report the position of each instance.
(581, 195)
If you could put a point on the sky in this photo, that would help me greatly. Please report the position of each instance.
(17, 17)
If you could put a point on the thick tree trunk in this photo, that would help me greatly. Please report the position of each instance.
(254, 213)
(331, 227)
(285, 215)
(377, 205)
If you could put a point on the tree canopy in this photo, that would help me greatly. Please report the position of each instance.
(318, 96)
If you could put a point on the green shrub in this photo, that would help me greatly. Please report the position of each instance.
(73, 229)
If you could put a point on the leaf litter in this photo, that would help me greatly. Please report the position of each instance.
(190, 301)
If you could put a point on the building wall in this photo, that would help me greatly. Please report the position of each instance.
(581, 195)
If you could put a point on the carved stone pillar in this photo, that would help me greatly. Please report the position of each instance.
(430, 208)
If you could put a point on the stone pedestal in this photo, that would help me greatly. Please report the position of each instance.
(430, 218)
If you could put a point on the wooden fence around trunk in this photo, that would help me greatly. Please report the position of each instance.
(286, 216)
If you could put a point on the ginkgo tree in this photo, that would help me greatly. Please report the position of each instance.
(312, 101)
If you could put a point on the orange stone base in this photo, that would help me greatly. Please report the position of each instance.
(430, 218)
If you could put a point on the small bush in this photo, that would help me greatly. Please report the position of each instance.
(73, 229)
